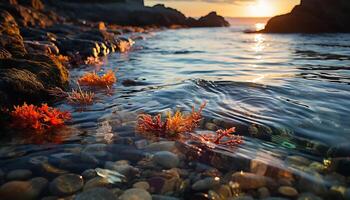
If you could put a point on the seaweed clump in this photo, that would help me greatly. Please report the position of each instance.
(92, 79)
(77, 97)
(38, 118)
(174, 125)
(223, 137)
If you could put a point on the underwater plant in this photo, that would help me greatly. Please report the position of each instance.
(38, 118)
(75, 96)
(223, 137)
(93, 61)
(174, 125)
(94, 80)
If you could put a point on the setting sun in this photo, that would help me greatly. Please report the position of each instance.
(260, 8)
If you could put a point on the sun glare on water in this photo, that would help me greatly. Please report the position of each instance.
(260, 8)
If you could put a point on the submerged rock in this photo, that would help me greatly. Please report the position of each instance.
(96, 193)
(23, 190)
(166, 159)
(135, 193)
(19, 174)
(66, 184)
(250, 181)
(206, 184)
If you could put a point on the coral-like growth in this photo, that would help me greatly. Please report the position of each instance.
(174, 125)
(223, 137)
(93, 61)
(38, 118)
(94, 80)
(75, 96)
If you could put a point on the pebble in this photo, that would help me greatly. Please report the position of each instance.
(122, 167)
(141, 144)
(23, 190)
(161, 146)
(308, 196)
(316, 185)
(206, 184)
(250, 181)
(141, 185)
(258, 167)
(166, 159)
(89, 174)
(96, 194)
(96, 182)
(66, 184)
(243, 198)
(263, 192)
(19, 175)
(224, 191)
(135, 194)
(97, 150)
(288, 191)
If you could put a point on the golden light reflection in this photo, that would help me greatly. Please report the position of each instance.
(259, 43)
(260, 8)
(259, 26)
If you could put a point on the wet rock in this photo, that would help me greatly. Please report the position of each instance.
(96, 193)
(135, 193)
(251, 181)
(96, 182)
(243, 198)
(258, 167)
(288, 191)
(19, 175)
(224, 191)
(161, 146)
(308, 196)
(206, 184)
(162, 185)
(141, 185)
(210, 20)
(23, 190)
(122, 167)
(50, 198)
(313, 183)
(97, 150)
(166, 159)
(89, 174)
(275, 198)
(141, 144)
(88, 158)
(66, 184)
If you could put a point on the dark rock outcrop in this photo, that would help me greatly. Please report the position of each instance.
(210, 20)
(313, 16)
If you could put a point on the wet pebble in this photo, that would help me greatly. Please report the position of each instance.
(89, 174)
(161, 146)
(141, 144)
(96, 182)
(258, 167)
(308, 196)
(224, 191)
(97, 150)
(243, 198)
(288, 191)
(23, 190)
(249, 180)
(122, 167)
(297, 160)
(315, 185)
(135, 194)
(206, 184)
(166, 159)
(162, 197)
(66, 184)
(141, 185)
(96, 193)
(19, 175)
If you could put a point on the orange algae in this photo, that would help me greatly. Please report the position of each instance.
(174, 125)
(94, 80)
(223, 137)
(38, 118)
(75, 96)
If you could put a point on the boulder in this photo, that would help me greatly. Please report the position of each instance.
(313, 16)
(210, 20)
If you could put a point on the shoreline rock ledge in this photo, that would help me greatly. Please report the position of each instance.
(313, 16)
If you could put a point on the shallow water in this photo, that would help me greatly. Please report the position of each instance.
(286, 94)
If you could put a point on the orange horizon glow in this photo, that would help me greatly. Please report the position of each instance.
(255, 8)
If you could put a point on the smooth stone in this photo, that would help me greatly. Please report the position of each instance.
(288, 191)
(141, 185)
(166, 159)
(263, 192)
(298, 160)
(96, 194)
(96, 182)
(141, 144)
(88, 158)
(211, 126)
(275, 198)
(317, 166)
(50, 198)
(258, 167)
(161, 146)
(249, 180)
(242, 198)
(213, 195)
(308, 196)
(315, 185)
(66, 184)
(206, 184)
(135, 194)
(97, 150)
(19, 175)
(163, 197)
(23, 190)
(89, 174)
(122, 167)
(224, 191)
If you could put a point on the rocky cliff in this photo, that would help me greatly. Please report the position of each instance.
(313, 16)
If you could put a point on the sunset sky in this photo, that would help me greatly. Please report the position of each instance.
(230, 8)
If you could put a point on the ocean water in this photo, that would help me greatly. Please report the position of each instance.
(286, 94)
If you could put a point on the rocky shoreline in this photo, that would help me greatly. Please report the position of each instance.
(39, 41)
